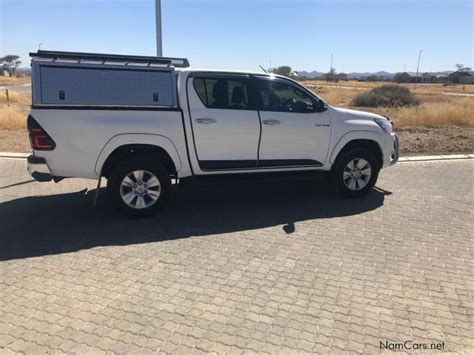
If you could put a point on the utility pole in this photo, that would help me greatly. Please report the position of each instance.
(159, 43)
(330, 70)
(418, 66)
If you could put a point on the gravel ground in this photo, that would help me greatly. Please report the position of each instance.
(414, 141)
(14, 141)
(433, 141)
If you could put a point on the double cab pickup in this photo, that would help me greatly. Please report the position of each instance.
(144, 123)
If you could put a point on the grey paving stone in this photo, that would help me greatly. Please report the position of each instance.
(220, 270)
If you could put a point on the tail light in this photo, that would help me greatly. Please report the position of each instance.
(39, 138)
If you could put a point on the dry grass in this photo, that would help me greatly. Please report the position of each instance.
(457, 111)
(335, 96)
(13, 116)
(436, 109)
(5, 80)
(430, 88)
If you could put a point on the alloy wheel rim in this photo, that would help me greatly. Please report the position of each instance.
(140, 189)
(357, 174)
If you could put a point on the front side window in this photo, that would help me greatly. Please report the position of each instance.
(279, 96)
(222, 93)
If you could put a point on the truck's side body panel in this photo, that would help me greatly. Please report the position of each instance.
(149, 139)
(349, 128)
(83, 137)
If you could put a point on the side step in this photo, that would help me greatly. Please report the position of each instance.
(245, 178)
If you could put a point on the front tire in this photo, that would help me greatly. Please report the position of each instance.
(355, 172)
(139, 187)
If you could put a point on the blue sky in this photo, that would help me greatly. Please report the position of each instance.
(241, 34)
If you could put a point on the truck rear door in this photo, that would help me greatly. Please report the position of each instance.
(225, 123)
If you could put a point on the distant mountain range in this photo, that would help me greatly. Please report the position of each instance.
(381, 73)
(354, 75)
(311, 75)
(316, 74)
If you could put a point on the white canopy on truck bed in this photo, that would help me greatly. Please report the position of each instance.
(95, 80)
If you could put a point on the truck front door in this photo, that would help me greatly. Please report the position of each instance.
(225, 123)
(295, 125)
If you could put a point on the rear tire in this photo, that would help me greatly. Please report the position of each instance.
(139, 187)
(355, 172)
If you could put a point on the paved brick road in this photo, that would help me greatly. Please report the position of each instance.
(277, 267)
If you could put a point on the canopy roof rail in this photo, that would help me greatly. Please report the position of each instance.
(59, 55)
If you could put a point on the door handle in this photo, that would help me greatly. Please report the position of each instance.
(271, 122)
(205, 120)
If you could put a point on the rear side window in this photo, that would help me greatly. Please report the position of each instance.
(223, 93)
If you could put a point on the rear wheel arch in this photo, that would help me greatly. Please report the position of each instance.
(138, 151)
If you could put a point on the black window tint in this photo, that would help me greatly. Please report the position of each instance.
(200, 87)
(282, 97)
(222, 93)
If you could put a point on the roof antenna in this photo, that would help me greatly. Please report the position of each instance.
(262, 68)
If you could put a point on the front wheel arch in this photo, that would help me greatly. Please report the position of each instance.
(368, 144)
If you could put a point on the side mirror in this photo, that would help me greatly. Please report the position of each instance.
(321, 106)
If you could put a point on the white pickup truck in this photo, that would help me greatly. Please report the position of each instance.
(143, 122)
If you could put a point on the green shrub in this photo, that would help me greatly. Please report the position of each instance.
(386, 95)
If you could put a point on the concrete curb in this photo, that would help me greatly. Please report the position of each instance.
(8, 155)
(435, 157)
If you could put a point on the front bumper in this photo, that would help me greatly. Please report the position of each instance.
(38, 169)
(395, 150)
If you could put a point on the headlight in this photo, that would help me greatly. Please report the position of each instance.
(385, 124)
